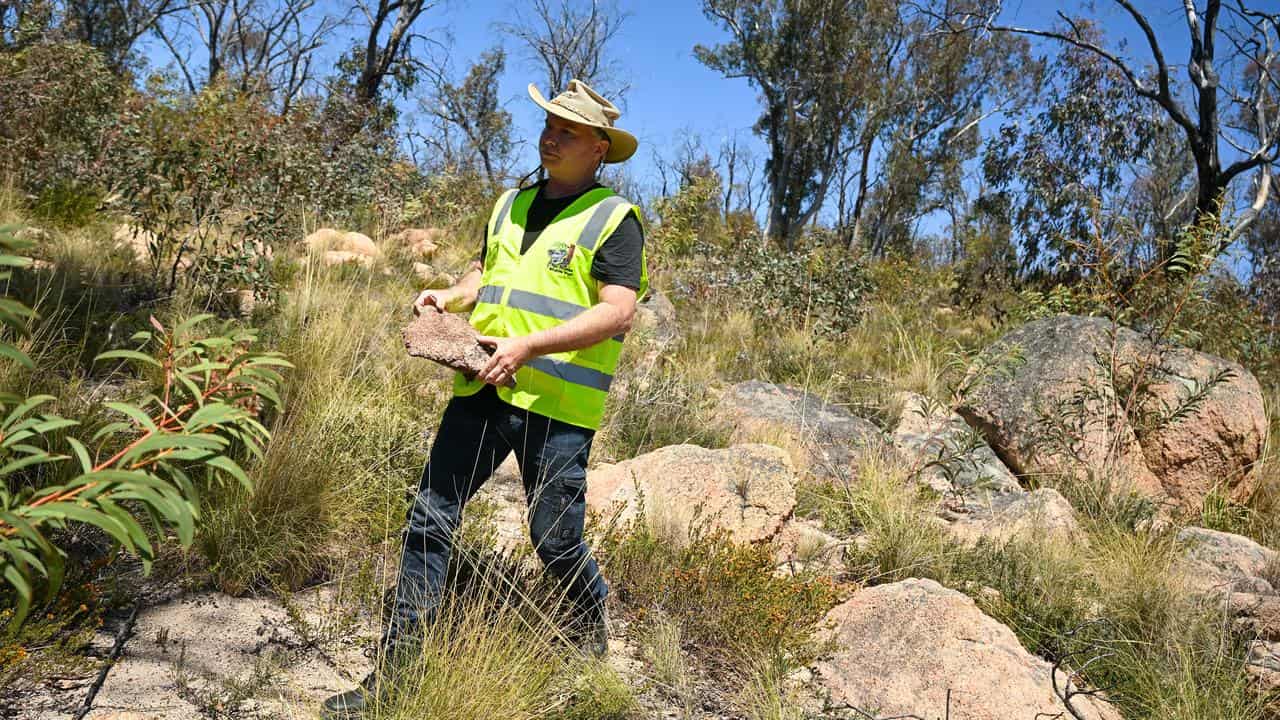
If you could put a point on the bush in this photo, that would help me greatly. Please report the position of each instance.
(152, 457)
(821, 287)
(726, 595)
(58, 106)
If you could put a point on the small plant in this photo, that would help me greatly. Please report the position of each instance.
(211, 393)
(598, 693)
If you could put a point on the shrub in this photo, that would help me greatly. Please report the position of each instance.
(726, 595)
(689, 220)
(210, 393)
(58, 103)
(823, 287)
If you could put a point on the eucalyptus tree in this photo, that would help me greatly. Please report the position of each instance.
(567, 39)
(1225, 99)
(470, 109)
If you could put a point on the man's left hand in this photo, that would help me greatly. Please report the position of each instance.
(509, 355)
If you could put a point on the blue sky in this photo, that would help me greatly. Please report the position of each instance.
(670, 90)
(671, 93)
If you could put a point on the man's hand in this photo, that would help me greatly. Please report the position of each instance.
(509, 355)
(437, 300)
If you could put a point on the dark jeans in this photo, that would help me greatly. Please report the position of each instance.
(476, 435)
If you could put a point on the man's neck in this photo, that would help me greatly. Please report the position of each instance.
(557, 188)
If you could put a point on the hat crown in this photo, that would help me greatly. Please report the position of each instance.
(579, 99)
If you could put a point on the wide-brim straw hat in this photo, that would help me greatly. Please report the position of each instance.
(581, 104)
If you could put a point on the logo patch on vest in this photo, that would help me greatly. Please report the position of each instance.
(560, 255)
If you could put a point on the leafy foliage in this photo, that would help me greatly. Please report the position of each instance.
(824, 287)
(151, 460)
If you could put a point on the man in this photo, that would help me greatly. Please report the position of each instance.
(552, 294)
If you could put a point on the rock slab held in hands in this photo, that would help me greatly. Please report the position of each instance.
(447, 339)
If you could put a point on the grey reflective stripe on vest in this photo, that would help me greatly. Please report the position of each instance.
(569, 372)
(543, 304)
(491, 294)
(506, 210)
(535, 303)
(590, 236)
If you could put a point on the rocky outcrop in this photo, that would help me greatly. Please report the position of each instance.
(417, 242)
(901, 648)
(1036, 516)
(1240, 574)
(1224, 562)
(655, 319)
(949, 457)
(804, 546)
(185, 654)
(747, 490)
(979, 498)
(1060, 410)
(332, 258)
(327, 240)
(824, 439)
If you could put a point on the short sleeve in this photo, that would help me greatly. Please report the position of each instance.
(620, 259)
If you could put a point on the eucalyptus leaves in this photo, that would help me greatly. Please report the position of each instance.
(204, 412)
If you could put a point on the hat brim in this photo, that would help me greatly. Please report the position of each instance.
(622, 144)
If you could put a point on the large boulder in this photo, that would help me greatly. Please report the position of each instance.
(825, 439)
(328, 240)
(1217, 561)
(747, 490)
(901, 648)
(1060, 410)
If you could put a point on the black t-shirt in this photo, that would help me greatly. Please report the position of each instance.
(617, 261)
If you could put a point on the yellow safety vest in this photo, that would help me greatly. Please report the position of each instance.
(544, 287)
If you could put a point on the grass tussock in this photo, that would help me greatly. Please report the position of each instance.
(497, 649)
(346, 447)
(729, 602)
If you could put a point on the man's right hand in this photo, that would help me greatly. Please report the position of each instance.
(437, 300)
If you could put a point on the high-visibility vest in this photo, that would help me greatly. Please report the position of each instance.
(544, 287)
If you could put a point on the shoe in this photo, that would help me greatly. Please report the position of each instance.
(593, 634)
(352, 704)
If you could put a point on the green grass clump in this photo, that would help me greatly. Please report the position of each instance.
(347, 446)
(726, 595)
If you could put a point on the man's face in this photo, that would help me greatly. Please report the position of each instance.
(568, 149)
